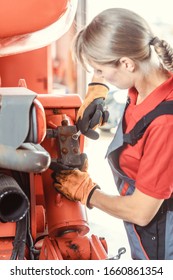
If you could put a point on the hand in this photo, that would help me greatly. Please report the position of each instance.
(57, 165)
(73, 183)
(92, 112)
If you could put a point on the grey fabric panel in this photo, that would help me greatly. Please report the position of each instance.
(14, 115)
(137, 251)
(169, 236)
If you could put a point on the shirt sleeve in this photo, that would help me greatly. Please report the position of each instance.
(155, 172)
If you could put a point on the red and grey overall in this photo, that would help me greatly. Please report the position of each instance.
(154, 241)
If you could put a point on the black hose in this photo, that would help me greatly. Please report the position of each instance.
(14, 204)
(19, 243)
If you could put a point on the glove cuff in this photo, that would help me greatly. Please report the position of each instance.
(96, 90)
(96, 84)
(89, 196)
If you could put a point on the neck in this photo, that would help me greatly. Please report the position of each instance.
(146, 84)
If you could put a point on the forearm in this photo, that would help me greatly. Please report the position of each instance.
(131, 208)
(113, 205)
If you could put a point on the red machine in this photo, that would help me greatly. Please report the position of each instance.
(36, 126)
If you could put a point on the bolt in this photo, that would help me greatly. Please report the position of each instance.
(64, 151)
(75, 150)
(64, 122)
(63, 138)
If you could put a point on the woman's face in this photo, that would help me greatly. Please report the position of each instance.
(118, 76)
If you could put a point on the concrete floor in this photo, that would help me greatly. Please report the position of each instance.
(102, 224)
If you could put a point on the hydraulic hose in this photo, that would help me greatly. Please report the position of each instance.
(14, 204)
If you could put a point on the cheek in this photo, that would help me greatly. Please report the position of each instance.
(110, 77)
(119, 80)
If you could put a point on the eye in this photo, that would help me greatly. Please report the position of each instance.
(98, 72)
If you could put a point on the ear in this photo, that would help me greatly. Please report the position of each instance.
(127, 63)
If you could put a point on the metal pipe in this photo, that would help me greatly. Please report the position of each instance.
(27, 158)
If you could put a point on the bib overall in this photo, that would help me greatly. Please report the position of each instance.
(154, 241)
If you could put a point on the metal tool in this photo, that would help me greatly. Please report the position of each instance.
(121, 251)
(76, 135)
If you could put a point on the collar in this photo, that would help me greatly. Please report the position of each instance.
(158, 95)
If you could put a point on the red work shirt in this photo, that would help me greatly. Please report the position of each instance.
(150, 161)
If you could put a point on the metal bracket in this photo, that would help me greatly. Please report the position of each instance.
(69, 148)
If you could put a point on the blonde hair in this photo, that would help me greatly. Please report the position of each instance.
(119, 32)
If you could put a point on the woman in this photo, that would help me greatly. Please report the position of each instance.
(121, 48)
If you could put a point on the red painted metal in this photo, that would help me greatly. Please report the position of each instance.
(58, 227)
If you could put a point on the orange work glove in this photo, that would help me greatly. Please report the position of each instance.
(75, 185)
(92, 113)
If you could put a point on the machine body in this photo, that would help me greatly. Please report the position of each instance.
(37, 127)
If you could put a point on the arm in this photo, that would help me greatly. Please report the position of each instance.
(77, 185)
(137, 208)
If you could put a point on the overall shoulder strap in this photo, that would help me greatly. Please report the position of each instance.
(164, 108)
